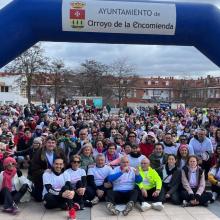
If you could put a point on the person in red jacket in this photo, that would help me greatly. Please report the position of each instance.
(147, 144)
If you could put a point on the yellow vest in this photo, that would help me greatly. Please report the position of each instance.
(151, 179)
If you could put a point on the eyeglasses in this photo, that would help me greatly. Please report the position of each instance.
(76, 161)
(82, 134)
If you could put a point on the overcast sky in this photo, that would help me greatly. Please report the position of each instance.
(148, 60)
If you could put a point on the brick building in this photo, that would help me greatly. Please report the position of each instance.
(201, 92)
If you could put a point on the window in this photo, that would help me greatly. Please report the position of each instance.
(167, 83)
(4, 89)
(157, 92)
(149, 82)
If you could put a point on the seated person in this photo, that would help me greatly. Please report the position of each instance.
(77, 177)
(157, 158)
(97, 183)
(214, 179)
(123, 179)
(171, 179)
(182, 155)
(135, 157)
(86, 155)
(193, 181)
(42, 160)
(13, 186)
(57, 191)
(111, 153)
(150, 187)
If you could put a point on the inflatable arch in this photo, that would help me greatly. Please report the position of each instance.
(25, 22)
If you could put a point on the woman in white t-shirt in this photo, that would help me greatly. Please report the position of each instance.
(77, 177)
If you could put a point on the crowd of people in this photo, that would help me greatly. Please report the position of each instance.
(76, 157)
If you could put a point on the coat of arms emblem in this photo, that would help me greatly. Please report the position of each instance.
(77, 14)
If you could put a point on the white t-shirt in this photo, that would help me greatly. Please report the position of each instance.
(126, 181)
(135, 162)
(74, 175)
(193, 180)
(100, 173)
(57, 182)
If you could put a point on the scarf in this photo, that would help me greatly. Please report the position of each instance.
(99, 150)
(7, 178)
(111, 157)
(170, 172)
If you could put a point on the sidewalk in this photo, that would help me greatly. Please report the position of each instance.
(169, 212)
(36, 211)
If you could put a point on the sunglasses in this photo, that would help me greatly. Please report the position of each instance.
(76, 161)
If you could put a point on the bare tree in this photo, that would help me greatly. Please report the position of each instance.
(123, 79)
(92, 78)
(27, 64)
(57, 70)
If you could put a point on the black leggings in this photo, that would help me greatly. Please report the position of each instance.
(204, 198)
(117, 197)
(52, 201)
(9, 199)
(149, 196)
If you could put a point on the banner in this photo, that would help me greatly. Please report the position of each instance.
(119, 17)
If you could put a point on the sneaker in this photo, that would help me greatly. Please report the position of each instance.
(144, 206)
(157, 206)
(128, 208)
(95, 200)
(8, 210)
(15, 210)
(185, 203)
(111, 208)
(88, 203)
(72, 214)
(214, 195)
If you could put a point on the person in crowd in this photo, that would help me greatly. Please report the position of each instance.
(169, 146)
(158, 158)
(182, 155)
(58, 191)
(107, 129)
(135, 157)
(29, 153)
(203, 149)
(132, 138)
(147, 144)
(214, 179)
(99, 148)
(171, 179)
(216, 156)
(13, 186)
(149, 189)
(87, 158)
(97, 183)
(77, 178)
(83, 139)
(118, 140)
(42, 160)
(111, 153)
(123, 179)
(193, 182)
